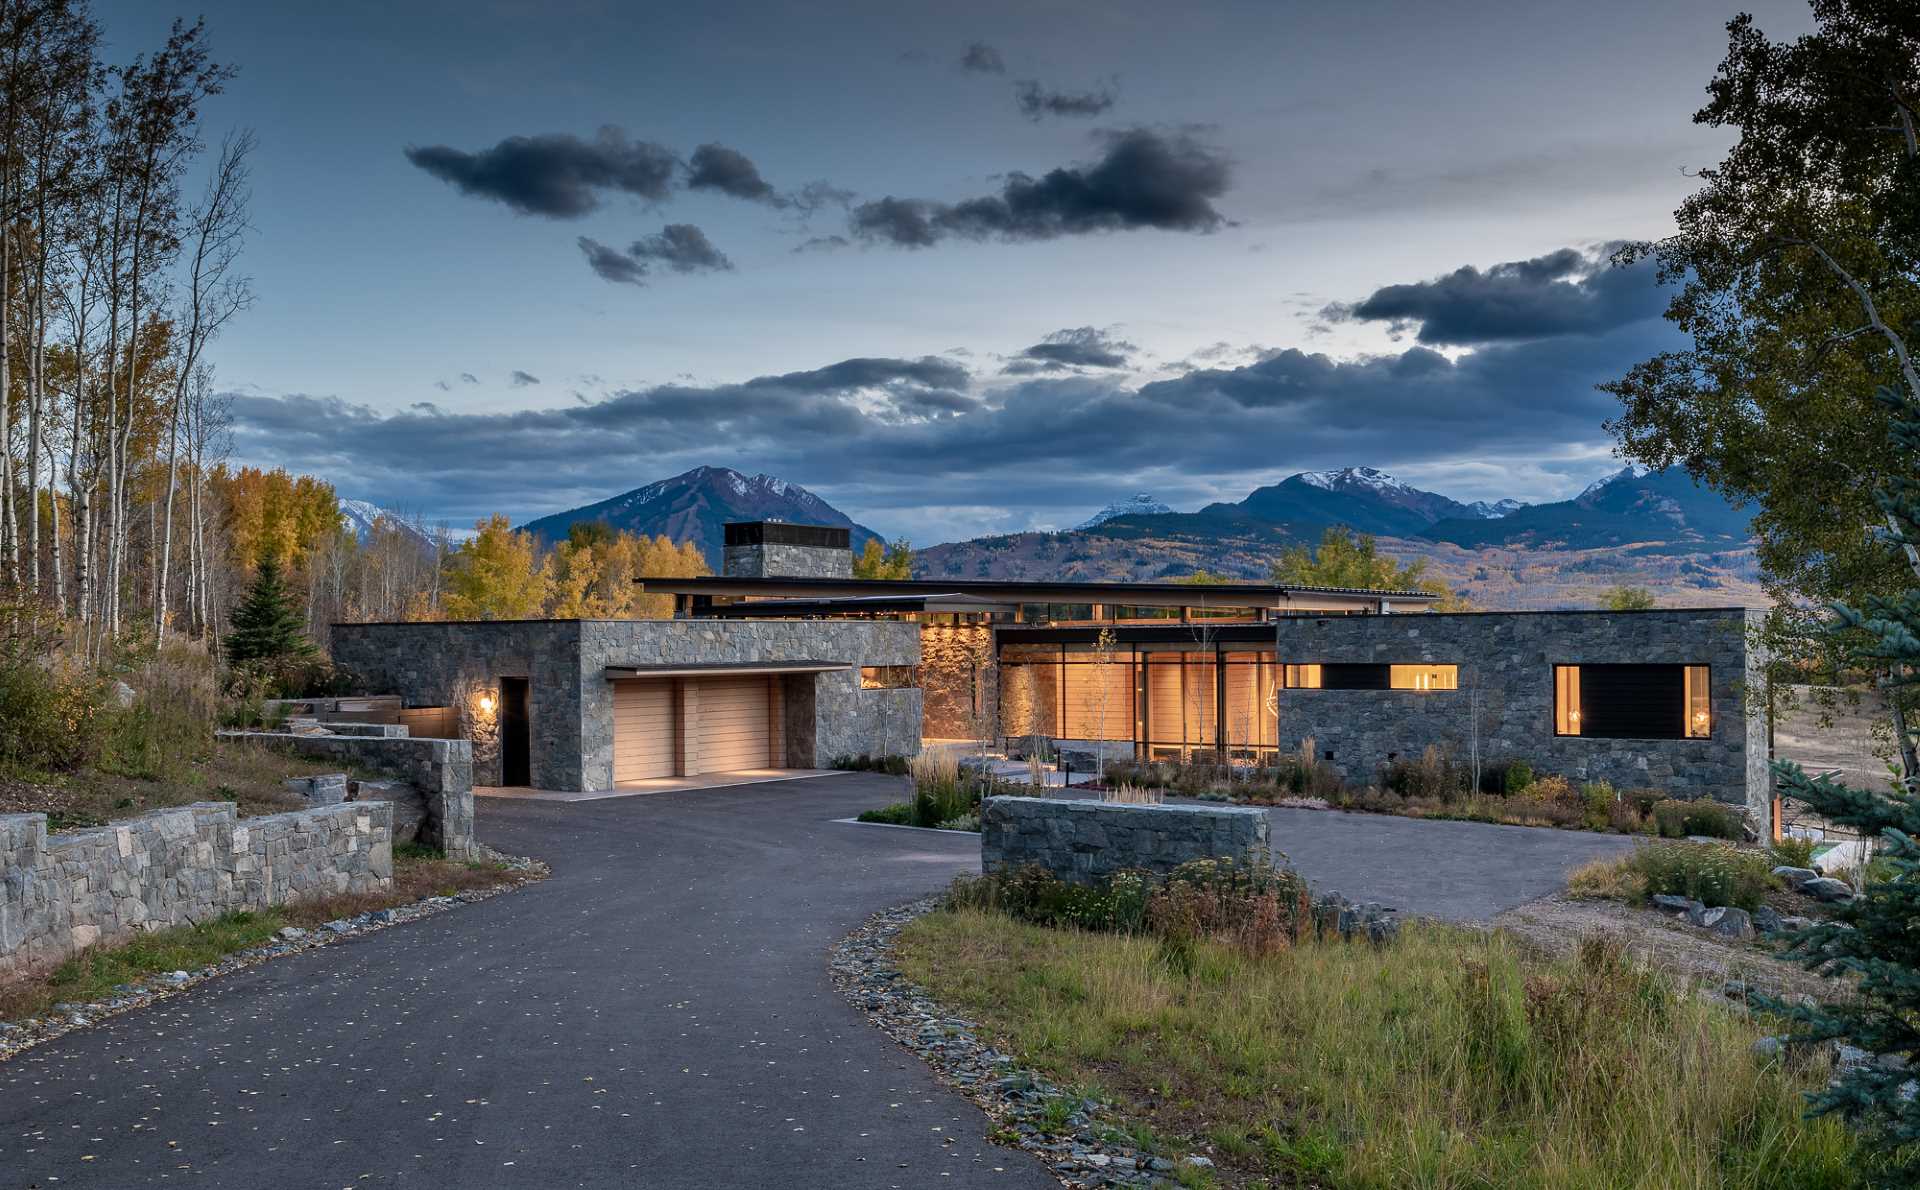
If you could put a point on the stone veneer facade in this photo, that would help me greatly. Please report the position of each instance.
(1510, 658)
(1085, 842)
(440, 771)
(62, 893)
(778, 559)
(570, 701)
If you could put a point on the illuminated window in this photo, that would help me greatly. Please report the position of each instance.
(1633, 702)
(886, 677)
(1303, 677)
(1566, 700)
(1699, 703)
(1425, 677)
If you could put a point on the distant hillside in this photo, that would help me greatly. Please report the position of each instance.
(694, 506)
(1659, 531)
(1631, 506)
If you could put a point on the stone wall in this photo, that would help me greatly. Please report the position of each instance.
(959, 680)
(1509, 659)
(570, 702)
(781, 560)
(452, 664)
(63, 893)
(1085, 841)
(828, 715)
(440, 770)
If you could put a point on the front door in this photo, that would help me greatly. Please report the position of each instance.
(515, 733)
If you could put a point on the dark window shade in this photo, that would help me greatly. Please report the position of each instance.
(1633, 702)
(1356, 677)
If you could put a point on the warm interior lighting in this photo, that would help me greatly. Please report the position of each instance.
(1699, 703)
(1423, 677)
(1566, 700)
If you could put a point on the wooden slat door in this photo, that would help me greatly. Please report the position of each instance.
(735, 724)
(642, 729)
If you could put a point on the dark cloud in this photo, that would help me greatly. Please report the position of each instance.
(469, 378)
(981, 58)
(556, 175)
(1036, 102)
(1568, 292)
(681, 247)
(716, 167)
(1144, 179)
(823, 244)
(443, 386)
(1071, 349)
(611, 263)
(521, 379)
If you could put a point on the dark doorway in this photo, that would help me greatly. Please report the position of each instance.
(515, 733)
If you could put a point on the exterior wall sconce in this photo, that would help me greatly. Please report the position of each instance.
(486, 704)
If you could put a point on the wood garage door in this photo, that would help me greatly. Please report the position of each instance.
(642, 729)
(732, 723)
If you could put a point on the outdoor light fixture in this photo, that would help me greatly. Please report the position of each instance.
(486, 704)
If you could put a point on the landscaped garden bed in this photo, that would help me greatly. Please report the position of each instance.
(1211, 1034)
(946, 794)
(1437, 786)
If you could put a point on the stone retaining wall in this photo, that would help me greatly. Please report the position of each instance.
(1087, 841)
(441, 770)
(63, 893)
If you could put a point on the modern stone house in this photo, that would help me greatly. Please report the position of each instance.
(785, 661)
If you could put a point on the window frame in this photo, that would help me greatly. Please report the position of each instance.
(1685, 732)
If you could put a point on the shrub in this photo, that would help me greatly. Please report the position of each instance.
(52, 718)
(1792, 852)
(1550, 789)
(938, 793)
(1676, 818)
(898, 814)
(1516, 777)
(1434, 775)
(1711, 873)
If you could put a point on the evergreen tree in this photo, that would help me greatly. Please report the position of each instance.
(1877, 936)
(267, 625)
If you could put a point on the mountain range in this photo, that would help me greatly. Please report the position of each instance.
(694, 505)
(1654, 529)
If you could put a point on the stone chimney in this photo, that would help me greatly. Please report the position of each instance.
(776, 549)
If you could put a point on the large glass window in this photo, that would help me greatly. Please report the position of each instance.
(1633, 702)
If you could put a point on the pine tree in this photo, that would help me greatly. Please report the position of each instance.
(267, 624)
(1876, 937)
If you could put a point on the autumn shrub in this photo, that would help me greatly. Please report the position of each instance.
(50, 716)
(1433, 775)
(1515, 777)
(1792, 851)
(1711, 873)
(1676, 818)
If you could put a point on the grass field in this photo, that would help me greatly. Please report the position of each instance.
(1446, 1060)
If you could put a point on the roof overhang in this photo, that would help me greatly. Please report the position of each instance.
(696, 669)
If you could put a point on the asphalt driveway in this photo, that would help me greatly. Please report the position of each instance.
(658, 1013)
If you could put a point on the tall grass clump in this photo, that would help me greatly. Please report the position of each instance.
(1711, 873)
(939, 794)
(1450, 1058)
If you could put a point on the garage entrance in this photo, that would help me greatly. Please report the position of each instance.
(686, 721)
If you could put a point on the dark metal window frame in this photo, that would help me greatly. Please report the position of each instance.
(1553, 702)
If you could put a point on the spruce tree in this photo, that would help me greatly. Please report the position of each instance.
(1876, 937)
(267, 625)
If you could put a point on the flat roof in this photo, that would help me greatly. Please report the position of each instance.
(832, 605)
(709, 668)
(1019, 590)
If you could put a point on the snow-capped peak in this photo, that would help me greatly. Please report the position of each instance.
(1494, 510)
(1365, 477)
(1139, 504)
(1630, 471)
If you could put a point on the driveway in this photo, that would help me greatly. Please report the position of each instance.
(658, 1013)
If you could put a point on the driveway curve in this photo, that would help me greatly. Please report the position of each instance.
(658, 1013)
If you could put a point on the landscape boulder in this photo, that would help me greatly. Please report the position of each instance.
(1795, 877)
(1826, 888)
(1675, 904)
(1727, 921)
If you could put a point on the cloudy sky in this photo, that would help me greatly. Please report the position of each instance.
(958, 268)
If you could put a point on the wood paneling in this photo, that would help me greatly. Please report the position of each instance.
(733, 728)
(643, 729)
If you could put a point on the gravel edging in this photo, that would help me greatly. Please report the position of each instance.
(1077, 1138)
(16, 1037)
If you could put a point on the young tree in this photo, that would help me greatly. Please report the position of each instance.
(1346, 559)
(496, 576)
(1626, 599)
(1874, 937)
(268, 625)
(895, 561)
